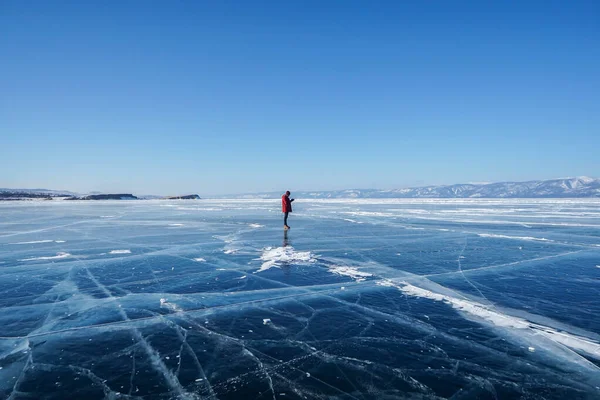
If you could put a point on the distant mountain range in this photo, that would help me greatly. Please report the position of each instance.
(554, 188)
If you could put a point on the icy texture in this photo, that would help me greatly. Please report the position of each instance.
(361, 299)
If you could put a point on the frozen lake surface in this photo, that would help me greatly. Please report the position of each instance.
(362, 299)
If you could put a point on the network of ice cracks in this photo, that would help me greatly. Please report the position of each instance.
(361, 299)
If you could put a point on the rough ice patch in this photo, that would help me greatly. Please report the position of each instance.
(352, 272)
(274, 257)
(199, 259)
(266, 320)
(256, 226)
(58, 256)
(119, 252)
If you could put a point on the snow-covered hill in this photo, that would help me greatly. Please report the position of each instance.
(554, 188)
(48, 192)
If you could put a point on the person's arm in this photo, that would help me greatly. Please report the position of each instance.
(291, 200)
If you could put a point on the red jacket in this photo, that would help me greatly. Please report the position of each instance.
(286, 204)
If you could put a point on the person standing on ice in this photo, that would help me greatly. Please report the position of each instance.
(286, 208)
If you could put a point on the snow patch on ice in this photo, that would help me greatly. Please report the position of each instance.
(58, 256)
(497, 318)
(274, 257)
(225, 238)
(230, 247)
(266, 320)
(40, 241)
(175, 224)
(256, 226)
(35, 241)
(171, 306)
(353, 221)
(199, 259)
(491, 235)
(119, 252)
(352, 272)
(369, 213)
(199, 208)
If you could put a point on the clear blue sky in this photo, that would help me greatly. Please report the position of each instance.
(214, 97)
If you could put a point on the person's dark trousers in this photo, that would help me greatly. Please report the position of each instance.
(285, 218)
